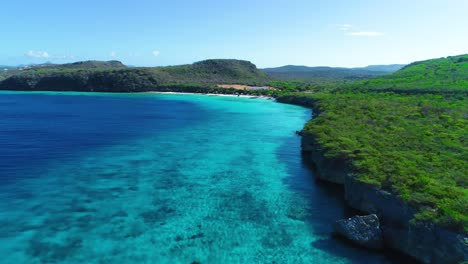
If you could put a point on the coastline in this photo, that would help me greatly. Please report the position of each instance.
(424, 241)
(213, 94)
(146, 92)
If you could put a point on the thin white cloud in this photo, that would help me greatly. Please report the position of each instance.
(37, 54)
(112, 54)
(345, 27)
(351, 30)
(155, 53)
(365, 34)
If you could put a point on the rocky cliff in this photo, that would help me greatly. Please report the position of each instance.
(424, 241)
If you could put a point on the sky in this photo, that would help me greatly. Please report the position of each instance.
(269, 33)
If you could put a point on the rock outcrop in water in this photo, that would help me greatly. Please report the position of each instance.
(362, 230)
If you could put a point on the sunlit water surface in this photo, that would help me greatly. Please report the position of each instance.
(152, 178)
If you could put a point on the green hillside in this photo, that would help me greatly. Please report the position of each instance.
(411, 145)
(444, 74)
(405, 132)
(214, 71)
(329, 75)
(6, 73)
(91, 64)
(113, 76)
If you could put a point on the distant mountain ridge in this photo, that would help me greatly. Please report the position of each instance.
(383, 68)
(305, 73)
(292, 68)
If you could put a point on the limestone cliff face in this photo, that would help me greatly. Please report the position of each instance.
(423, 241)
(332, 170)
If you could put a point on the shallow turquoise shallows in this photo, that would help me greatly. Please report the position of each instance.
(157, 178)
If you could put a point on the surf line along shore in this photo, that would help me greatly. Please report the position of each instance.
(215, 94)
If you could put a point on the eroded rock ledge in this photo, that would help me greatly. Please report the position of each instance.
(423, 241)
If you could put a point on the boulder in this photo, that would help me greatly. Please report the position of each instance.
(362, 230)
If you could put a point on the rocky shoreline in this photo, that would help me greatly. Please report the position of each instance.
(424, 241)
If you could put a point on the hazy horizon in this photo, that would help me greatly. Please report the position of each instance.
(129, 65)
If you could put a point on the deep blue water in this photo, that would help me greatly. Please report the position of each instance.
(151, 178)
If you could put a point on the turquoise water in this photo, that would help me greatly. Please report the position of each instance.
(152, 178)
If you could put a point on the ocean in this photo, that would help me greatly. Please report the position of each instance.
(162, 178)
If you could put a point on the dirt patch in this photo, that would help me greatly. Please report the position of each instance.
(244, 87)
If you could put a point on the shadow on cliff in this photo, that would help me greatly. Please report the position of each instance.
(325, 205)
(325, 200)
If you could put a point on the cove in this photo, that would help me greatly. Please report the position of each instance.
(157, 178)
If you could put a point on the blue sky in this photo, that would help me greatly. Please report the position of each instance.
(268, 33)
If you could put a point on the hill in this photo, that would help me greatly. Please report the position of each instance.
(384, 68)
(91, 64)
(435, 75)
(113, 76)
(214, 71)
(7, 72)
(328, 74)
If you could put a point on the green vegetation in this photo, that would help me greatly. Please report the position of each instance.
(437, 75)
(290, 86)
(115, 77)
(8, 71)
(328, 75)
(411, 145)
(91, 64)
(214, 72)
(411, 141)
(5, 73)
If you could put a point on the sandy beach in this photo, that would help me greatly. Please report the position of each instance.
(212, 94)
